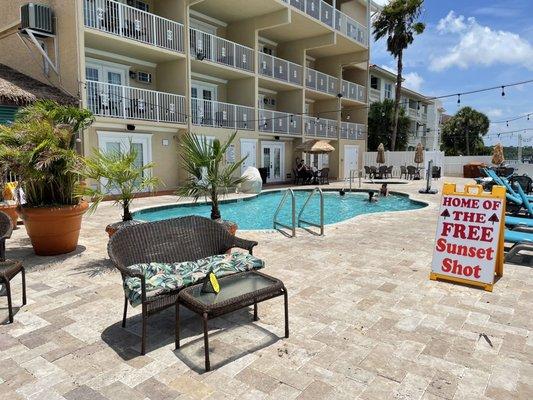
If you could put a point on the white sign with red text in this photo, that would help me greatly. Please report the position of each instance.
(467, 239)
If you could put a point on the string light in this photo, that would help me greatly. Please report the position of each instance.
(458, 99)
(503, 91)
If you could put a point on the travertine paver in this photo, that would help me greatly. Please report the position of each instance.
(366, 323)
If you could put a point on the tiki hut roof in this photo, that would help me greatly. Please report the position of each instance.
(315, 146)
(19, 90)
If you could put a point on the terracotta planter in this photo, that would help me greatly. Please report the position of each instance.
(54, 230)
(229, 225)
(11, 210)
(112, 228)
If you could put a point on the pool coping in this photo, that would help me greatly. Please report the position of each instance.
(246, 197)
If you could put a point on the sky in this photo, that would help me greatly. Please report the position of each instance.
(469, 45)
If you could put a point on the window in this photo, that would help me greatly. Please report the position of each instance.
(374, 82)
(141, 5)
(144, 77)
(388, 90)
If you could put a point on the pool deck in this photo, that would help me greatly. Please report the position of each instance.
(366, 323)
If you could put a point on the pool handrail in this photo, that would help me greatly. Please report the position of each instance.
(293, 211)
(321, 224)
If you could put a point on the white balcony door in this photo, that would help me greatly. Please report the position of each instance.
(104, 99)
(273, 158)
(351, 159)
(202, 96)
(122, 143)
(248, 150)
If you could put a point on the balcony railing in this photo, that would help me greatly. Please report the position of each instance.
(320, 127)
(353, 91)
(374, 95)
(321, 82)
(129, 22)
(280, 69)
(413, 112)
(108, 100)
(221, 115)
(322, 11)
(350, 130)
(221, 51)
(279, 122)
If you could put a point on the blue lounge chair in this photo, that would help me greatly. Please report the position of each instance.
(522, 240)
(518, 221)
(511, 194)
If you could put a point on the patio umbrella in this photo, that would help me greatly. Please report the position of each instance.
(315, 146)
(497, 155)
(419, 154)
(380, 159)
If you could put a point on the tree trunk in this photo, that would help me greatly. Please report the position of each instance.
(397, 98)
(127, 214)
(215, 211)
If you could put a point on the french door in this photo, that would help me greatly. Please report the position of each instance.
(202, 97)
(116, 142)
(248, 150)
(105, 99)
(273, 159)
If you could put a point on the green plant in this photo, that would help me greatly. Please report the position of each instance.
(380, 121)
(39, 147)
(117, 172)
(209, 174)
(463, 133)
(398, 22)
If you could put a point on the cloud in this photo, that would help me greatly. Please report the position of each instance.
(494, 112)
(479, 45)
(411, 80)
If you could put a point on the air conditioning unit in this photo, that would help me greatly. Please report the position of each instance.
(38, 17)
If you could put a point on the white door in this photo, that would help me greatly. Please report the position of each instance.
(106, 99)
(122, 142)
(248, 150)
(273, 158)
(202, 97)
(351, 159)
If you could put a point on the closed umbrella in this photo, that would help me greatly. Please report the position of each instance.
(380, 159)
(315, 146)
(419, 154)
(497, 155)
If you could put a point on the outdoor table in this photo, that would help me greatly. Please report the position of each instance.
(236, 291)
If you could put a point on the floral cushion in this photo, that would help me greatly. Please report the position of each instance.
(162, 277)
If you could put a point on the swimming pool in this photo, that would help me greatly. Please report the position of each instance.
(257, 212)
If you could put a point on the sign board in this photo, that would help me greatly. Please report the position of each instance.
(469, 240)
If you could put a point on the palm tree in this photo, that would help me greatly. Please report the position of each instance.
(209, 174)
(398, 21)
(117, 172)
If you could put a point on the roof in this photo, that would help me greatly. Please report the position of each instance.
(19, 89)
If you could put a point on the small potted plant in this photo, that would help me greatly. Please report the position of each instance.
(8, 204)
(40, 149)
(210, 175)
(117, 175)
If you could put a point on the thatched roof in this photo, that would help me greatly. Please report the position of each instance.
(19, 90)
(315, 146)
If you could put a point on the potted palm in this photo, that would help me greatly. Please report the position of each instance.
(40, 148)
(210, 176)
(118, 174)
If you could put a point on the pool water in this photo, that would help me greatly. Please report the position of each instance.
(257, 212)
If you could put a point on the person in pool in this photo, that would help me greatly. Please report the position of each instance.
(371, 198)
(384, 191)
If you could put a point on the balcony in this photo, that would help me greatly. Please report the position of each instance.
(205, 46)
(352, 131)
(321, 82)
(116, 101)
(412, 112)
(325, 13)
(222, 115)
(131, 23)
(320, 127)
(280, 69)
(279, 122)
(374, 95)
(353, 91)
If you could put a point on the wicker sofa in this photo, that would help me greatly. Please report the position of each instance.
(6, 227)
(177, 242)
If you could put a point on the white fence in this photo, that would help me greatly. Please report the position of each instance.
(453, 165)
(404, 158)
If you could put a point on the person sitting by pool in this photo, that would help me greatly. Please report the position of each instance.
(304, 172)
(384, 191)
(371, 198)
